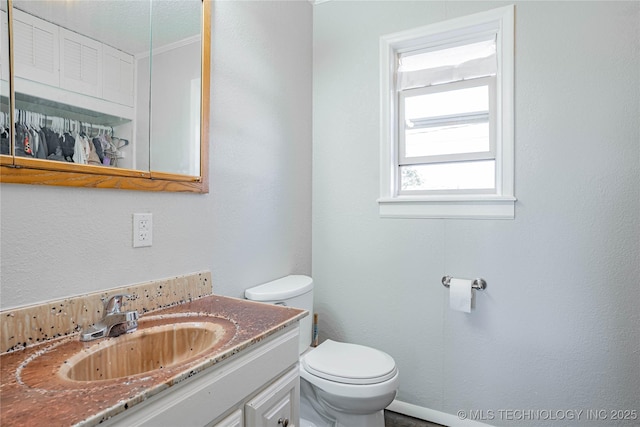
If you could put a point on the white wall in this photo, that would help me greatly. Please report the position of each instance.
(559, 326)
(252, 227)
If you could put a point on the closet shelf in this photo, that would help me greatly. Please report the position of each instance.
(52, 108)
(52, 101)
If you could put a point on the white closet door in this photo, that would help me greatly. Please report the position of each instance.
(36, 49)
(80, 63)
(4, 47)
(117, 76)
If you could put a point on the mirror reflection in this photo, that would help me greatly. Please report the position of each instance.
(108, 83)
(175, 86)
(5, 122)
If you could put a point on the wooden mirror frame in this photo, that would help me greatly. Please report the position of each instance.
(21, 170)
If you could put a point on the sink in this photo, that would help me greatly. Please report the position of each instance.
(147, 349)
(158, 344)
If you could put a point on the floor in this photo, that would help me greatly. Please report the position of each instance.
(393, 419)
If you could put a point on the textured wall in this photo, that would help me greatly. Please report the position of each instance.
(254, 225)
(558, 326)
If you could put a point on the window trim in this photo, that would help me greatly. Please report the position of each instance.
(498, 205)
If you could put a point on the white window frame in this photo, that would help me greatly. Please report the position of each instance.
(498, 204)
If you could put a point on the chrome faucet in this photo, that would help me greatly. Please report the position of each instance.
(115, 321)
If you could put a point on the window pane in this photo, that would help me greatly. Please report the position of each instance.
(447, 103)
(478, 175)
(451, 139)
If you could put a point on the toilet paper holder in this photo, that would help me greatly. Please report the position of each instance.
(479, 284)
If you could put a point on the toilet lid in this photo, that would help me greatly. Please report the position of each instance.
(349, 363)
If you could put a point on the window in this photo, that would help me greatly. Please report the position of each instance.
(447, 119)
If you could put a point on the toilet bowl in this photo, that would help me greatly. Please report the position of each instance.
(348, 384)
(341, 384)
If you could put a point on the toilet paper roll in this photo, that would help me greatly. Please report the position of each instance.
(460, 294)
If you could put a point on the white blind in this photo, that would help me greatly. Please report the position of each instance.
(436, 66)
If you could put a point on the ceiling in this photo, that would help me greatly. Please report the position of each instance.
(123, 24)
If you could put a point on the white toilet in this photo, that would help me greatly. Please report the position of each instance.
(342, 385)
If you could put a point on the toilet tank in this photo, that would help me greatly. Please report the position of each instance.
(291, 291)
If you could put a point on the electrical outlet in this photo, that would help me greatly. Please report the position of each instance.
(142, 230)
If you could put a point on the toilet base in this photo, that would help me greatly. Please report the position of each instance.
(306, 423)
(311, 416)
(322, 416)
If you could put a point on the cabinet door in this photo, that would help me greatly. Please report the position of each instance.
(117, 76)
(80, 63)
(277, 405)
(36, 49)
(233, 420)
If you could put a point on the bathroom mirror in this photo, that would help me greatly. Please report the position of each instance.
(107, 94)
(5, 134)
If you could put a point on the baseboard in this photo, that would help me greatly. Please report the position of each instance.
(432, 415)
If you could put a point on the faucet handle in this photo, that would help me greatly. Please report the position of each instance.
(114, 303)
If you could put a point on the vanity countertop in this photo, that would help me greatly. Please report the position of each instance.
(47, 399)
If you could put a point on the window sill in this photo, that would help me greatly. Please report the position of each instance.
(451, 207)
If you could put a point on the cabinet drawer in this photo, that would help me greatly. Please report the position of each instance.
(234, 420)
(277, 405)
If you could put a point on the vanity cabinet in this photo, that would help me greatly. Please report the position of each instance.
(277, 405)
(258, 387)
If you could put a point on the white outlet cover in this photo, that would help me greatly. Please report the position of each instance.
(142, 230)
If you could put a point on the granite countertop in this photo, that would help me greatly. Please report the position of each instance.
(35, 394)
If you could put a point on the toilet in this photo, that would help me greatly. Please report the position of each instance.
(341, 384)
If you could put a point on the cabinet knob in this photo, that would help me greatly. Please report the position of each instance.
(283, 421)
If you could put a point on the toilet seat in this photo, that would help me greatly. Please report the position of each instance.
(349, 363)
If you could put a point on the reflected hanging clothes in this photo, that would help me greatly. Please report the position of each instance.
(54, 147)
(93, 157)
(98, 147)
(81, 150)
(22, 145)
(41, 151)
(68, 145)
(4, 141)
